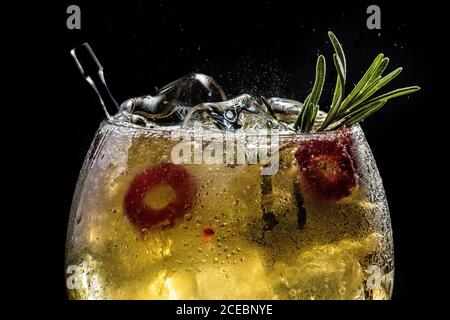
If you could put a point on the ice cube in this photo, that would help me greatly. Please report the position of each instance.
(285, 106)
(170, 104)
(242, 112)
(327, 271)
(287, 111)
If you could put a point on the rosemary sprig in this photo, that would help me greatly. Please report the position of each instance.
(359, 103)
(362, 84)
(307, 115)
(340, 64)
(362, 112)
(396, 93)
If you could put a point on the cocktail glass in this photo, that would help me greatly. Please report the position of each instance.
(194, 212)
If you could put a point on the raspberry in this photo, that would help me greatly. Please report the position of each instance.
(326, 168)
(159, 194)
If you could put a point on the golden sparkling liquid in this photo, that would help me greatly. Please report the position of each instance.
(344, 251)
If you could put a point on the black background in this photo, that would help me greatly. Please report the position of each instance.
(265, 47)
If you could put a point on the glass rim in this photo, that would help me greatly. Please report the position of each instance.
(168, 130)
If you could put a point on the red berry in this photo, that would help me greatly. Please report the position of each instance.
(326, 168)
(170, 190)
(207, 232)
